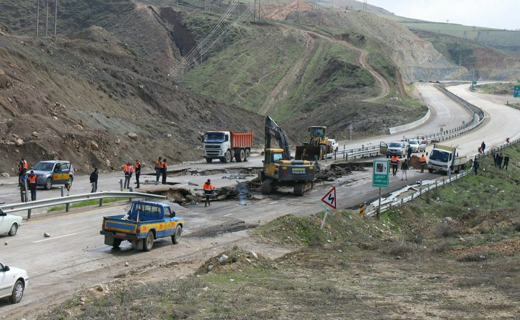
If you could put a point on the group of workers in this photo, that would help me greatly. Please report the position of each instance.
(394, 163)
(26, 181)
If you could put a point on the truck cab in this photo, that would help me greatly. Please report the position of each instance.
(444, 159)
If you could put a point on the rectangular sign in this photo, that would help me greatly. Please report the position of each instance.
(517, 92)
(381, 174)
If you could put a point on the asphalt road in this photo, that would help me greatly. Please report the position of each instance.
(75, 257)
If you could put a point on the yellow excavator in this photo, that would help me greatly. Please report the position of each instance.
(317, 147)
(279, 169)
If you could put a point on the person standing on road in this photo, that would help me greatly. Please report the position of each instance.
(404, 170)
(128, 170)
(22, 167)
(483, 146)
(394, 161)
(23, 182)
(208, 192)
(94, 179)
(506, 161)
(32, 184)
(476, 164)
(158, 170)
(137, 172)
(422, 162)
(409, 152)
(164, 169)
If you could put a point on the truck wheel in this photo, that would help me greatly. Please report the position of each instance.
(48, 184)
(430, 170)
(116, 243)
(13, 230)
(148, 242)
(227, 157)
(242, 154)
(238, 156)
(248, 154)
(176, 238)
(209, 160)
(17, 292)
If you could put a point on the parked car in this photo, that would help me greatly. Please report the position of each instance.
(9, 224)
(53, 172)
(334, 145)
(422, 145)
(396, 148)
(13, 282)
(414, 145)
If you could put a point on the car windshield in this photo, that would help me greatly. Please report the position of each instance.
(44, 166)
(438, 155)
(413, 142)
(214, 137)
(395, 145)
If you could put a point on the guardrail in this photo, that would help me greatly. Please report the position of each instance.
(22, 206)
(441, 183)
(411, 125)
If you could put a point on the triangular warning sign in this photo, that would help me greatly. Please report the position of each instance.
(330, 198)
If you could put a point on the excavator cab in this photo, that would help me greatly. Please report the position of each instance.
(272, 161)
(317, 146)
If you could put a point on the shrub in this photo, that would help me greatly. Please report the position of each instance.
(445, 230)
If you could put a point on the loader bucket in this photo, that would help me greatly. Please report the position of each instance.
(308, 152)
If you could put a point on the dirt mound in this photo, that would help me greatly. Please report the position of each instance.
(235, 259)
(96, 34)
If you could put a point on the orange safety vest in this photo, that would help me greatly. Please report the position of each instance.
(128, 168)
(394, 160)
(23, 165)
(32, 178)
(422, 159)
(163, 164)
(157, 163)
(208, 186)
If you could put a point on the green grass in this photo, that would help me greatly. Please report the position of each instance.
(86, 203)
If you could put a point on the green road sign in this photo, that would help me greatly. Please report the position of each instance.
(474, 83)
(517, 92)
(381, 174)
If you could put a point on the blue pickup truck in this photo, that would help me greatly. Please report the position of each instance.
(145, 222)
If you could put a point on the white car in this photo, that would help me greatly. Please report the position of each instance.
(414, 145)
(334, 146)
(422, 145)
(9, 224)
(13, 282)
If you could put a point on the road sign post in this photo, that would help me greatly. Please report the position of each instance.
(329, 200)
(380, 178)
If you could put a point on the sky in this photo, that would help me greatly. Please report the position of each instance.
(500, 14)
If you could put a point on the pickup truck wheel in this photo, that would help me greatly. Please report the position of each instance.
(430, 170)
(248, 154)
(13, 230)
(48, 184)
(116, 243)
(176, 238)
(148, 242)
(209, 160)
(17, 292)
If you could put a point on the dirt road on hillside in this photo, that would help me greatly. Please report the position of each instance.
(280, 91)
(363, 54)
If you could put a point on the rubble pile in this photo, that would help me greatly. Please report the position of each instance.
(338, 170)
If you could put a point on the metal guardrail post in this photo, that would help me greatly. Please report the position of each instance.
(121, 184)
(61, 191)
(28, 214)
(101, 202)
(67, 205)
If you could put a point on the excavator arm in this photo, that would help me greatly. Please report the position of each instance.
(273, 130)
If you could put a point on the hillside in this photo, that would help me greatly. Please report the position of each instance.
(83, 96)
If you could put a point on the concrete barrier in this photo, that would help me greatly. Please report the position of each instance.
(412, 125)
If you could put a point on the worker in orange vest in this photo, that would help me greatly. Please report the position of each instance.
(208, 192)
(128, 170)
(422, 162)
(164, 168)
(394, 161)
(158, 170)
(137, 172)
(32, 185)
(22, 167)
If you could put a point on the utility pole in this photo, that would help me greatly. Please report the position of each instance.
(47, 17)
(38, 20)
(55, 17)
(254, 11)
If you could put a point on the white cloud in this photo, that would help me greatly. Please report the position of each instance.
(501, 14)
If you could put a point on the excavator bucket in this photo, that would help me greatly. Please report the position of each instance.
(309, 152)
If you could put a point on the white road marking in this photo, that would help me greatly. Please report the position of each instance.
(227, 215)
(273, 202)
(66, 235)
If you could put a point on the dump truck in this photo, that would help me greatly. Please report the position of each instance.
(317, 147)
(445, 158)
(226, 145)
(279, 169)
(141, 225)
